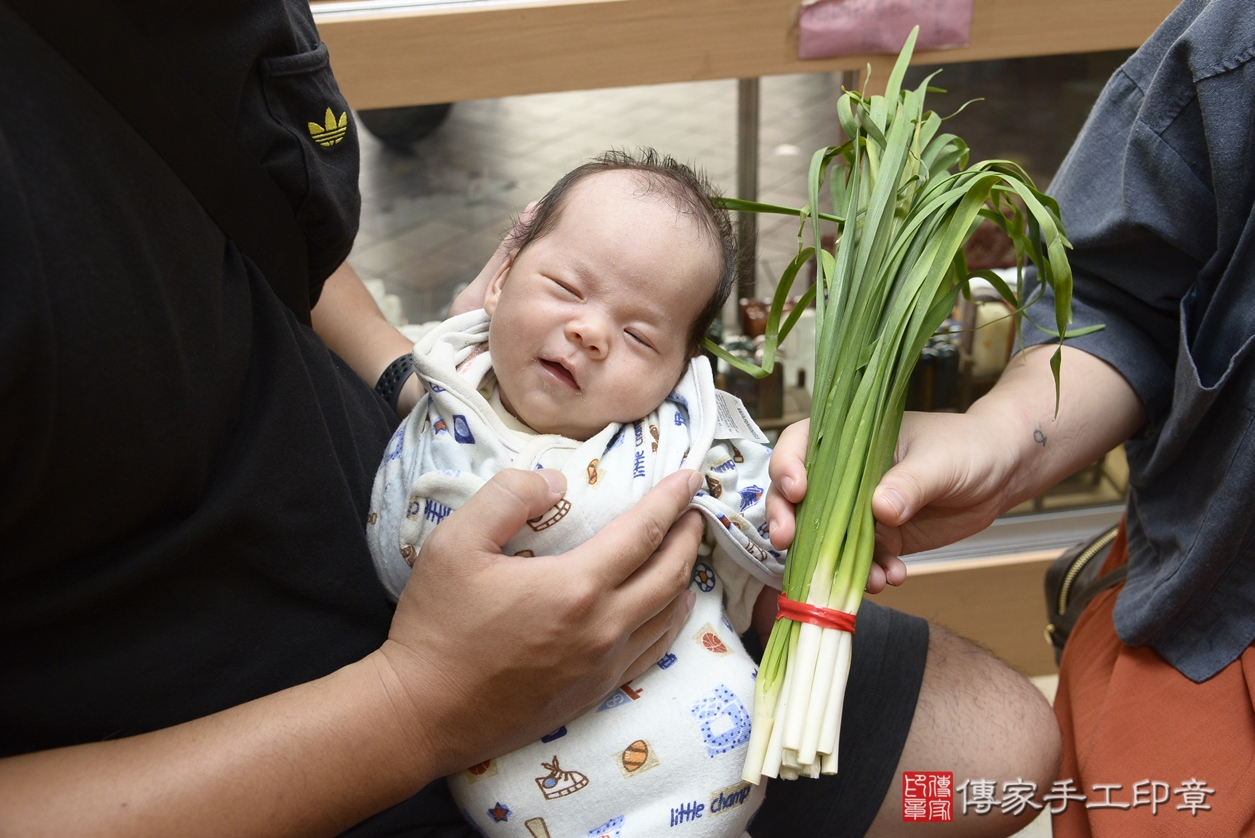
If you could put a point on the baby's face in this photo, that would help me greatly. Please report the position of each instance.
(590, 322)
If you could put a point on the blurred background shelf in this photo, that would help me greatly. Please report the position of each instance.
(387, 54)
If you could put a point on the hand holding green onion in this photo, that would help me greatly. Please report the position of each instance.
(904, 201)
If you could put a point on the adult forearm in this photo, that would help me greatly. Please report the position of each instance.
(311, 760)
(351, 324)
(956, 473)
(1097, 410)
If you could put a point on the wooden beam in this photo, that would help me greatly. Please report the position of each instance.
(422, 55)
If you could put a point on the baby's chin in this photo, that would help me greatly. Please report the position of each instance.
(548, 424)
(582, 432)
(549, 419)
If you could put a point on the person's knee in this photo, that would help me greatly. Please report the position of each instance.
(995, 722)
(982, 721)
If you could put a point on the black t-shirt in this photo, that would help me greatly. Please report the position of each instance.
(184, 469)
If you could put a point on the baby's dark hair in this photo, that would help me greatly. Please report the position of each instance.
(688, 191)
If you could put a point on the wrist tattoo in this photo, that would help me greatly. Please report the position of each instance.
(1039, 438)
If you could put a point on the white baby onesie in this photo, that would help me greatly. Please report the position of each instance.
(665, 750)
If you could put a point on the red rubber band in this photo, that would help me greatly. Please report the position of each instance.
(806, 613)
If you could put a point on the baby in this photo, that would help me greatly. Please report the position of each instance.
(585, 359)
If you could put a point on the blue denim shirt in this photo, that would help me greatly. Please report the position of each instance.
(1157, 198)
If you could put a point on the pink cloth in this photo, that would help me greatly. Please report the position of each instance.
(861, 27)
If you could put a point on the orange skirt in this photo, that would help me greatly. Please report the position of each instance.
(1146, 746)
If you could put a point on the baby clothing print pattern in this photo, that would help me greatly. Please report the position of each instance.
(665, 751)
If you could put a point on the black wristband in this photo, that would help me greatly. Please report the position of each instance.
(393, 379)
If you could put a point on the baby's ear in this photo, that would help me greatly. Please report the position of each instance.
(497, 283)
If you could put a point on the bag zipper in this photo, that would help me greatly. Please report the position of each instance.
(1077, 566)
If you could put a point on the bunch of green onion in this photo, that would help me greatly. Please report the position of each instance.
(904, 202)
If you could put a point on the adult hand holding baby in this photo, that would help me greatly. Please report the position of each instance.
(494, 651)
(485, 652)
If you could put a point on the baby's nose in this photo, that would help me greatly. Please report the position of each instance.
(591, 334)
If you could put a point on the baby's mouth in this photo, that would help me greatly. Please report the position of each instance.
(560, 372)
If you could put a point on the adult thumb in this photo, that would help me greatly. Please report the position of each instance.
(501, 507)
(904, 490)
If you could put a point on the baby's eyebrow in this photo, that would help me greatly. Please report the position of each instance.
(580, 270)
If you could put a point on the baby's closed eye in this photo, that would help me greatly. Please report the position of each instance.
(565, 287)
(639, 338)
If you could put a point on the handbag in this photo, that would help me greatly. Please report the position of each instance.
(1073, 580)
